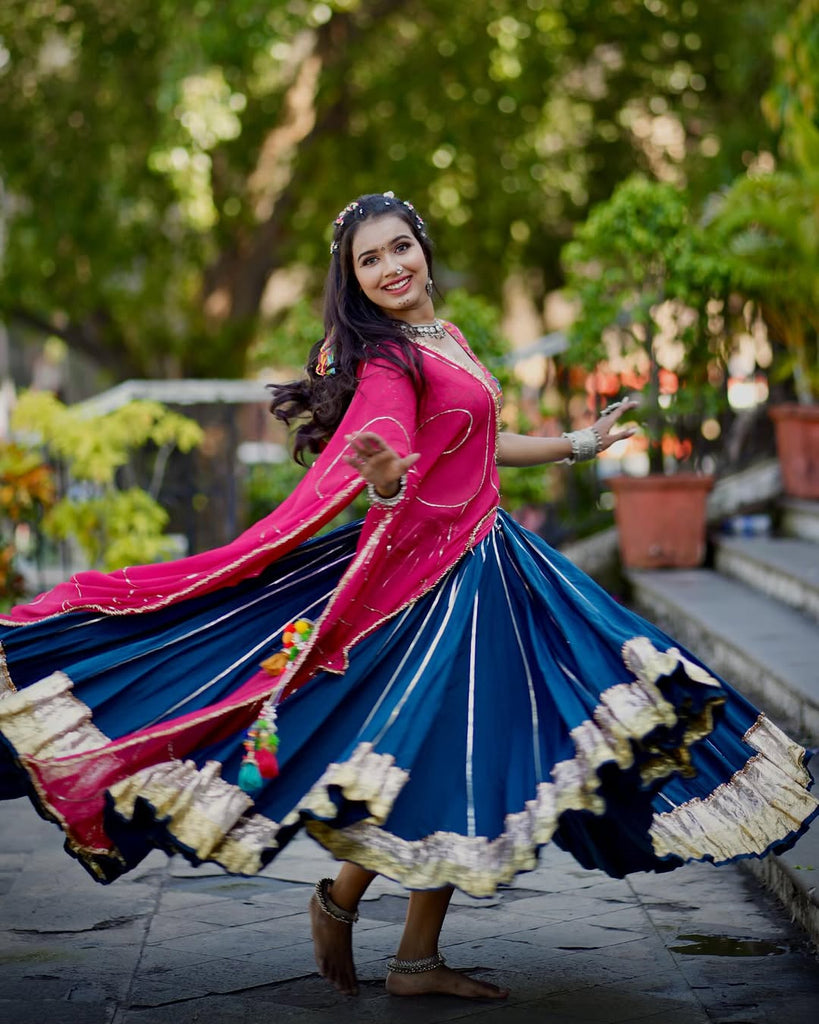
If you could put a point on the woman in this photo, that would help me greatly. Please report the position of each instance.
(450, 695)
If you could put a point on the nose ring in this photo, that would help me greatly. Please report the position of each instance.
(399, 269)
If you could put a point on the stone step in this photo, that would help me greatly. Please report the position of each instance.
(785, 568)
(763, 648)
(799, 518)
(770, 653)
(754, 488)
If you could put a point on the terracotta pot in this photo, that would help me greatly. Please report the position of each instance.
(661, 519)
(797, 444)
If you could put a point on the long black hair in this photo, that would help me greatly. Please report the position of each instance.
(355, 329)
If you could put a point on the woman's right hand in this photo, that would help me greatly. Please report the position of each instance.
(377, 462)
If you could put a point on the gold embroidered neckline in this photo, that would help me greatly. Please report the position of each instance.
(479, 373)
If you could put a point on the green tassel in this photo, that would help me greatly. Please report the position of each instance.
(250, 778)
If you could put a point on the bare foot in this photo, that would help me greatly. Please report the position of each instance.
(442, 981)
(333, 946)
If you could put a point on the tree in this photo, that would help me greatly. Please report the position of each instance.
(162, 160)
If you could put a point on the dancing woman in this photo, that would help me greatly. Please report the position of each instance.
(444, 692)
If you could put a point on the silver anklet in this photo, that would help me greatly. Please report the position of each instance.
(333, 909)
(427, 963)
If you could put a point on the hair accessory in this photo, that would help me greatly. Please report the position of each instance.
(389, 197)
(354, 205)
(586, 444)
(261, 741)
(418, 220)
(325, 364)
(333, 909)
(427, 963)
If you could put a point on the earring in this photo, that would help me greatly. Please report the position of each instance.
(430, 286)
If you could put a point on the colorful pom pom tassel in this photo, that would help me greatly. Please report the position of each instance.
(261, 742)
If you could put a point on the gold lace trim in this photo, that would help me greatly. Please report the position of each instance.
(761, 803)
(6, 685)
(45, 720)
(202, 811)
(209, 818)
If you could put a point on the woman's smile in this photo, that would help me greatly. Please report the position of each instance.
(399, 286)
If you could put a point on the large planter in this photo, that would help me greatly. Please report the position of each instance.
(797, 445)
(661, 519)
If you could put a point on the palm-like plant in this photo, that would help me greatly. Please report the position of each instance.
(769, 226)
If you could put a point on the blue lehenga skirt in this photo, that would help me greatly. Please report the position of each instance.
(515, 704)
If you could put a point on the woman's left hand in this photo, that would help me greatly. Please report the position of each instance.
(378, 464)
(609, 417)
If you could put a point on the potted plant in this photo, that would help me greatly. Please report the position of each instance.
(652, 295)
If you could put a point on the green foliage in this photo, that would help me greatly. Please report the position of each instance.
(768, 223)
(480, 321)
(288, 343)
(637, 254)
(267, 485)
(95, 447)
(161, 160)
(791, 105)
(769, 226)
(114, 529)
(113, 525)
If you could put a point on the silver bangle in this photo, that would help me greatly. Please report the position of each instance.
(586, 444)
(379, 499)
(427, 963)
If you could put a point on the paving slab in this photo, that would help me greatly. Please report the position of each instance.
(701, 945)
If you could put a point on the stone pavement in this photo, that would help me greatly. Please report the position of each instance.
(169, 943)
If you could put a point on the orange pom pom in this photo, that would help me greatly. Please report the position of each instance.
(275, 664)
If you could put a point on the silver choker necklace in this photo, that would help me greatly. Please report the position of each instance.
(434, 330)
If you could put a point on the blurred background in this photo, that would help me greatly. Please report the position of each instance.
(622, 194)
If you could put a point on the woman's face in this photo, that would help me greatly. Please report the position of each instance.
(391, 268)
